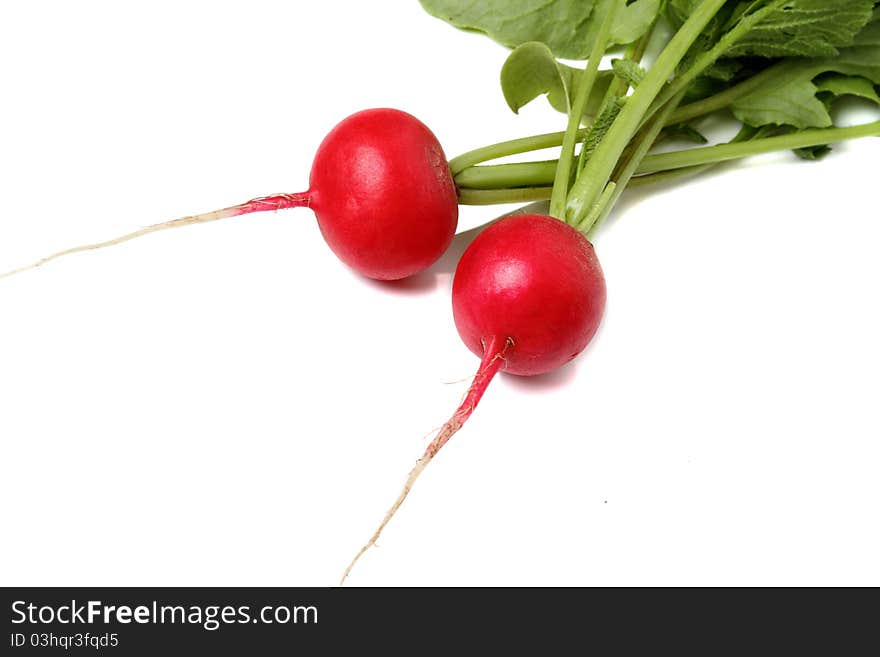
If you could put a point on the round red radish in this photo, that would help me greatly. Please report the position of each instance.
(533, 280)
(383, 194)
(527, 297)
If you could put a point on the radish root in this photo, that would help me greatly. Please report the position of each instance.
(261, 204)
(495, 352)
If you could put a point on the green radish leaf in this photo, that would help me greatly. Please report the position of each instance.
(628, 71)
(514, 22)
(790, 98)
(847, 85)
(863, 61)
(792, 102)
(768, 102)
(870, 34)
(531, 71)
(809, 28)
(566, 26)
(634, 20)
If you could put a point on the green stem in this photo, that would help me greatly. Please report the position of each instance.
(723, 152)
(500, 176)
(498, 196)
(532, 194)
(506, 148)
(538, 174)
(576, 112)
(591, 183)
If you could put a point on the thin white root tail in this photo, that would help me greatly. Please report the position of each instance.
(421, 464)
(261, 204)
(155, 228)
(495, 352)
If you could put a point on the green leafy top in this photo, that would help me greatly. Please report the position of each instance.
(808, 28)
(792, 94)
(567, 27)
(814, 37)
(776, 65)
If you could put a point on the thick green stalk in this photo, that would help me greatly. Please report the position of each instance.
(576, 112)
(595, 176)
(500, 176)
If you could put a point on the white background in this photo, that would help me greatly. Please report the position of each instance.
(229, 405)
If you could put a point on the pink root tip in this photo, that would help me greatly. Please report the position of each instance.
(276, 202)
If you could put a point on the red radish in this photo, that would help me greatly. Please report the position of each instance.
(527, 297)
(380, 187)
(383, 194)
(534, 280)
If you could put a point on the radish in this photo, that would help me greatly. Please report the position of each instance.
(383, 194)
(527, 297)
(532, 280)
(380, 188)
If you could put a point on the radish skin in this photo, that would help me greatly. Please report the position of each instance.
(383, 194)
(536, 280)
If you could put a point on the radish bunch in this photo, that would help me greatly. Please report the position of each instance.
(529, 293)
